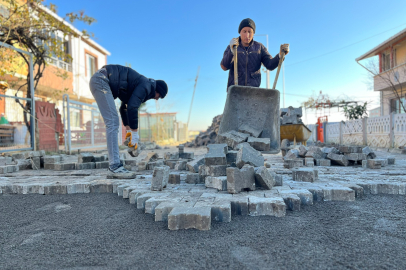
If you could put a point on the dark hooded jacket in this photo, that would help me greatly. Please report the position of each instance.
(132, 89)
(249, 63)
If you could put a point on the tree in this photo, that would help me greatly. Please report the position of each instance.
(33, 27)
(353, 112)
(391, 79)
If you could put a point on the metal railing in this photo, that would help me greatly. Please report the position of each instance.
(84, 127)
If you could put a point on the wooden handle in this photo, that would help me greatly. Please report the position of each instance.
(235, 48)
(279, 69)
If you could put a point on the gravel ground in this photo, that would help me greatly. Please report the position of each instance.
(103, 231)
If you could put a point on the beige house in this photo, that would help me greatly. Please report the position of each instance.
(389, 72)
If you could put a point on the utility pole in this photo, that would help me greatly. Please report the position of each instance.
(193, 96)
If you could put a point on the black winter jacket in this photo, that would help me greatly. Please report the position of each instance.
(249, 63)
(132, 89)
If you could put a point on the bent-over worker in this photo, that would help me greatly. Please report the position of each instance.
(251, 54)
(133, 89)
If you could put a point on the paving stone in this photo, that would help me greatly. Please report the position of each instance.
(219, 182)
(309, 162)
(314, 152)
(260, 144)
(231, 157)
(24, 164)
(64, 166)
(18, 156)
(85, 157)
(152, 203)
(338, 193)
(232, 138)
(302, 150)
(359, 191)
(371, 155)
(239, 180)
(250, 156)
(216, 155)
(85, 166)
(263, 178)
(190, 218)
(141, 199)
(174, 178)
(266, 206)
(55, 189)
(193, 178)
(193, 165)
(220, 210)
(102, 165)
(323, 162)
(187, 155)
(78, 188)
(181, 165)
(292, 202)
(134, 194)
(388, 188)
(366, 150)
(246, 128)
(101, 158)
(36, 163)
(328, 150)
(293, 163)
(214, 170)
(31, 154)
(153, 164)
(132, 162)
(170, 163)
(304, 174)
(171, 155)
(364, 164)
(338, 159)
(306, 197)
(239, 206)
(267, 165)
(53, 159)
(292, 154)
(278, 179)
(160, 178)
(376, 163)
(391, 161)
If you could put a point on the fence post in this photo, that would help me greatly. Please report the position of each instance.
(341, 132)
(364, 130)
(392, 130)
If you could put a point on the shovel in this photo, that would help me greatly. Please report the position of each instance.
(279, 68)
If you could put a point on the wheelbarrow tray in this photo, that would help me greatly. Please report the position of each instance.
(256, 107)
(300, 131)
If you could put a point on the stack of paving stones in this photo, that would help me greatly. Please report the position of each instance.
(334, 156)
(31, 160)
(209, 136)
(226, 181)
(291, 115)
(245, 134)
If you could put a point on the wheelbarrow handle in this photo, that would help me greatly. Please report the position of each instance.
(235, 48)
(279, 68)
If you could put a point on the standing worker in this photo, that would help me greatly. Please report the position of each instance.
(250, 56)
(133, 89)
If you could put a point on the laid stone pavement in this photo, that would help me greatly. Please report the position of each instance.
(186, 205)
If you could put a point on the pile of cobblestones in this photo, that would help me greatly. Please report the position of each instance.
(209, 136)
(339, 156)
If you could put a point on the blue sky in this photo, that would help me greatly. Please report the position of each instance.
(169, 39)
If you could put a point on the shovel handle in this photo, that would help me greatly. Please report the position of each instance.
(235, 49)
(279, 69)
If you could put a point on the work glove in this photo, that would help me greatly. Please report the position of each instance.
(127, 138)
(284, 48)
(134, 140)
(233, 42)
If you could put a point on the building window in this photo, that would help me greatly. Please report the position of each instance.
(385, 61)
(91, 64)
(396, 106)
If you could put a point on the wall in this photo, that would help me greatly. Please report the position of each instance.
(386, 131)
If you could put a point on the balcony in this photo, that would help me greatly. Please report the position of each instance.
(396, 76)
(60, 64)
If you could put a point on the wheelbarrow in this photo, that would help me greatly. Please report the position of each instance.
(295, 133)
(256, 107)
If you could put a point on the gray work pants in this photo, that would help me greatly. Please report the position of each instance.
(100, 88)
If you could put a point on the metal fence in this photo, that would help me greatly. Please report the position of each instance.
(14, 134)
(84, 127)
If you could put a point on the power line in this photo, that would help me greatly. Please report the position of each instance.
(345, 46)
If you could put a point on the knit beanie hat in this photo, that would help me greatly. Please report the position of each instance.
(161, 88)
(246, 22)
